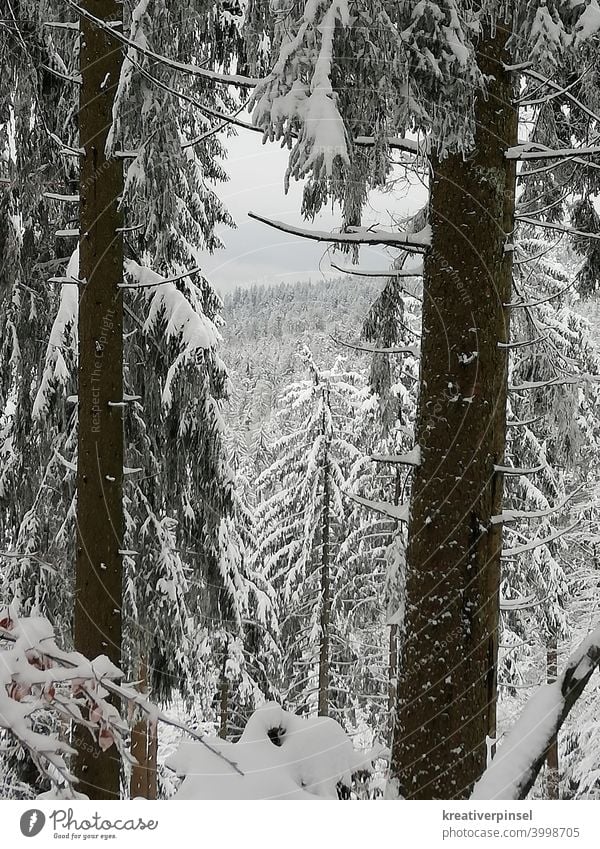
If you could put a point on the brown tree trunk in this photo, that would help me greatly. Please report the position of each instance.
(325, 582)
(224, 698)
(152, 774)
(447, 677)
(552, 764)
(143, 738)
(138, 787)
(394, 637)
(393, 679)
(98, 577)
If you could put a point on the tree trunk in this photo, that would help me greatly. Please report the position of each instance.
(393, 679)
(98, 578)
(552, 766)
(152, 760)
(325, 582)
(143, 774)
(447, 676)
(394, 637)
(224, 697)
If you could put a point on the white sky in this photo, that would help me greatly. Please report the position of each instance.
(256, 253)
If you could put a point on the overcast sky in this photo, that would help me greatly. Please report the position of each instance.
(256, 253)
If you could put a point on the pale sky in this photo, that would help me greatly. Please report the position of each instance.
(256, 253)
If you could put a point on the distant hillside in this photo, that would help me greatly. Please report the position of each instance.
(266, 324)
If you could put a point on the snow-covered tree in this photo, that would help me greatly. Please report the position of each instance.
(300, 518)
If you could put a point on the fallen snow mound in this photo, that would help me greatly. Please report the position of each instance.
(281, 756)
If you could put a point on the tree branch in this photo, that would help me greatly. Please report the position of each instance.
(513, 771)
(356, 236)
(415, 271)
(186, 68)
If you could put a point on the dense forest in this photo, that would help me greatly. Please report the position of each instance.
(333, 539)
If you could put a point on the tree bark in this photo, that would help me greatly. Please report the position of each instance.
(325, 580)
(447, 676)
(224, 698)
(552, 765)
(97, 626)
(143, 774)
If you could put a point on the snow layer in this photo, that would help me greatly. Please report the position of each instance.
(301, 759)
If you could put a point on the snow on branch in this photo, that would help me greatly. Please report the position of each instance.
(536, 543)
(527, 343)
(519, 759)
(524, 422)
(169, 307)
(399, 512)
(394, 142)
(413, 458)
(355, 235)
(160, 281)
(409, 271)
(63, 336)
(560, 228)
(562, 91)
(513, 470)
(194, 70)
(36, 676)
(62, 198)
(529, 304)
(533, 150)
(542, 384)
(521, 602)
(514, 515)
(414, 350)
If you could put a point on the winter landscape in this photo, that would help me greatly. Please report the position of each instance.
(300, 399)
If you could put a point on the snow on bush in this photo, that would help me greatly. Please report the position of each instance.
(279, 756)
(37, 677)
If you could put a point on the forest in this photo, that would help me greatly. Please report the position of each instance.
(336, 538)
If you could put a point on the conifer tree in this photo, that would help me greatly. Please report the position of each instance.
(299, 520)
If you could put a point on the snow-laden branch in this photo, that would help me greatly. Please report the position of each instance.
(185, 67)
(159, 281)
(519, 759)
(528, 343)
(533, 150)
(409, 271)
(412, 458)
(513, 470)
(63, 336)
(413, 350)
(514, 515)
(521, 603)
(33, 675)
(560, 228)
(561, 90)
(524, 422)
(394, 142)
(528, 385)
(62, 198)
(75, 79)
(536, 543)
(169, 308)
(399, 512)
(529, 304)
(355, 235)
